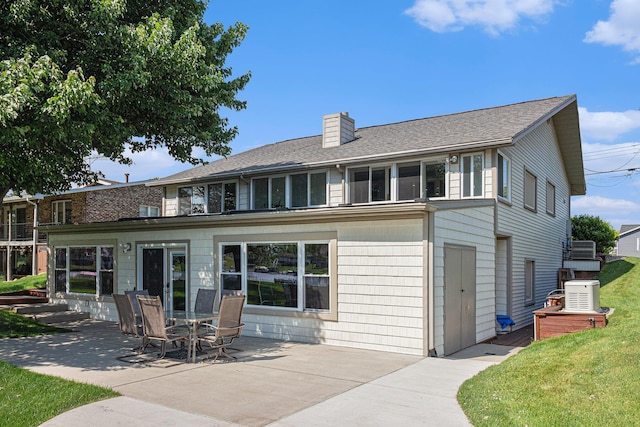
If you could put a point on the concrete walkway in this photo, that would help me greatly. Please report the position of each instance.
(273, 383)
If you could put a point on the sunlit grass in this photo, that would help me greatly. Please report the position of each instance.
(588, 378)
(24, 283)
(28, 399)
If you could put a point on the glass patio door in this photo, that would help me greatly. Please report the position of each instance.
(164, 273)
(178, 280)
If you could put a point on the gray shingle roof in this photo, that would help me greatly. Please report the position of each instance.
(626, 228)
(454, 132)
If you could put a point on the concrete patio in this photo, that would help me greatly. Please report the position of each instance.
(273, 383)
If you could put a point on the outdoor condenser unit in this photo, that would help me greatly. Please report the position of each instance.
(582, 296)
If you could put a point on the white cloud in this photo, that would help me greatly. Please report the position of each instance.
(146, 165)
(608, 125)
(615, 211)
(622, 27)
(494, 16)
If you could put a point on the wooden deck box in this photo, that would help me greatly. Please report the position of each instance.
(552, 321)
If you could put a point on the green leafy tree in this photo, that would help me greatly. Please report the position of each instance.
(587, 227)
(79, 77)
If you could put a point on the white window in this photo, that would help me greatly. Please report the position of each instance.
(283, 275)
(369, 184)
(295, 191)
(308, 189)
(434, 178)
(149, 211)
(191, 200)
(61, 211)
(551, 199)
(504, 177)
(84, 270)
(472, 171)
(222, 197)
(408, 181)
(214, 198)
(530, 190)
(529, 281)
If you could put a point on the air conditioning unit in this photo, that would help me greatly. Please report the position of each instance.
(582, 296)
(583, 249)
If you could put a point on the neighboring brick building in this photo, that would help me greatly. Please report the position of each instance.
(105, 201)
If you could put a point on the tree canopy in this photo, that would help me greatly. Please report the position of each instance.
(587, 227)
(85, 76)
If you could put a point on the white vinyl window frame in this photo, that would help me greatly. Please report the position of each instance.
(530, 191)
(503, 171)
(551, 198)
(366, 189)
(194, 199)
(529, 282)
(61, 211)
(472, 173)
(268, 192)
(65, 273)
(149, 211)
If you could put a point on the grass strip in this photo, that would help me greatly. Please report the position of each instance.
(25, 283)
(14, 325)
(29, 399)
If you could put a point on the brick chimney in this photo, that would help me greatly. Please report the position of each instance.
(337, 129)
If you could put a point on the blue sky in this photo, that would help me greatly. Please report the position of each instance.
(390, 61)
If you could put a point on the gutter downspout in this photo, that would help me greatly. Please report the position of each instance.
(431, 348)
(34, 249)
(8, 272)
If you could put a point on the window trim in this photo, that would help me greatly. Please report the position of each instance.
(98, 262)
(527, 206)
(205, 207)
(54, 211)
(389, 169)
(148, 208)
(288, 192)
(472, 172)
(529, 281)
(551, 207)
(500, 176)
(299, 238)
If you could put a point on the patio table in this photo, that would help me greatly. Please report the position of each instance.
(192, 319)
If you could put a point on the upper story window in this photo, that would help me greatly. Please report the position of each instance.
(472, 171)
(504, 177)
(214, 198)
(530, 190)
(434, 179)
(222, 197)
(551, 199)
(295, 191)
(369, 184)
(149, 211)
(61, 211)
(409, 181)
(415, 180)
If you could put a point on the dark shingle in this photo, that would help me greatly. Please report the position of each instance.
(453, 132)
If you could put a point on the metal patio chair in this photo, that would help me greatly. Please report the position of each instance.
(154, 324)
(127, 320)
(228, 328)
(205, 300)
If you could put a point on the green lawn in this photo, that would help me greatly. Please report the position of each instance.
(589, 378)
(28, 398)
(29, 282)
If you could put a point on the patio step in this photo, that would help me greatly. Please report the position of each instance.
(60, 316)
(50, 313)
(40, 308)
